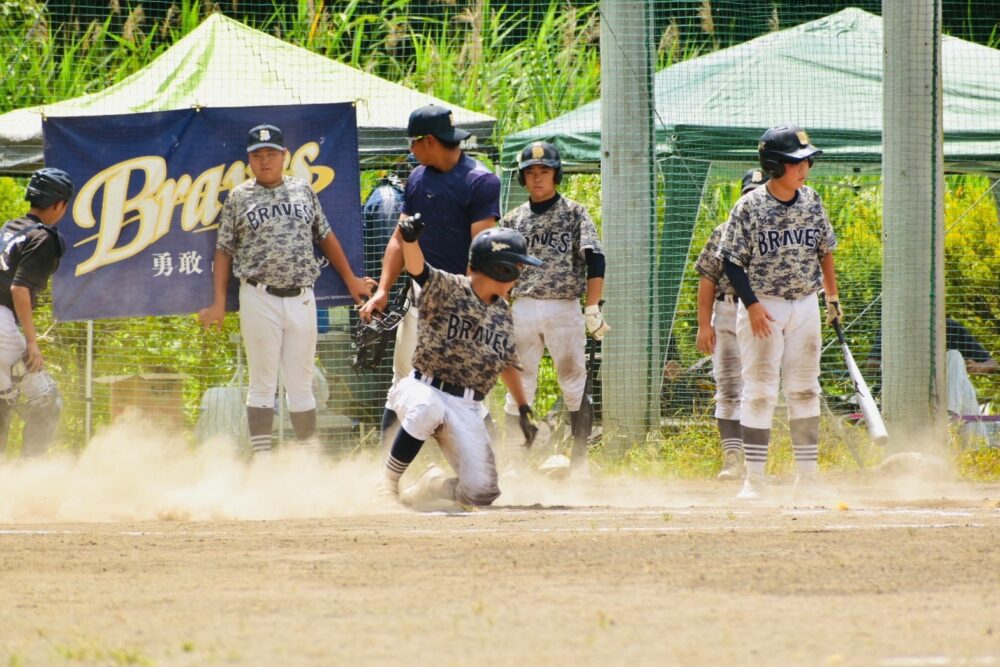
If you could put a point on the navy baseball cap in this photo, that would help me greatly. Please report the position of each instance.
(752, 179)
(435, 120)
(265, 136)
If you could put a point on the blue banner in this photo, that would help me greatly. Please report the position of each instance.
(141, 228)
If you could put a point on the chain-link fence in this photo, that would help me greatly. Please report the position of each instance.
(707, 78)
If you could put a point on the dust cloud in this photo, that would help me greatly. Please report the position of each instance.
(132, 472)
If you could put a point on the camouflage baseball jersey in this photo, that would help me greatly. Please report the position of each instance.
(460, 339)
(709, 264)
(559, 238)
(269, 232)
(779, 246)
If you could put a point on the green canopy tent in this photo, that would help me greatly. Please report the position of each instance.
(223, 63)
(825, 75)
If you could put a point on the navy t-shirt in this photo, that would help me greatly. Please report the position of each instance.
(448, 203)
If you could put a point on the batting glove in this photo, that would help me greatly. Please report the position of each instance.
(833, 311)
(411, 227)
(596, 326)
(527, 422)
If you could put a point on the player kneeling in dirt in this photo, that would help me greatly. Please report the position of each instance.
(465, 339)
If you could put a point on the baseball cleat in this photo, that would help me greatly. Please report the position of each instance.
(753, 488)
(732, 466)
(432, 486)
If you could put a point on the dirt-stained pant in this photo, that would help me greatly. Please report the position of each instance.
(726, 367)
(556, 324)
(457, 424)
(789, 356)
(279, 334)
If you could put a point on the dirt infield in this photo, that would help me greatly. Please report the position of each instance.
(164, 559)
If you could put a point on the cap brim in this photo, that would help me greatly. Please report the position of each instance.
(266, 144)
(457, 134)
(803, 153)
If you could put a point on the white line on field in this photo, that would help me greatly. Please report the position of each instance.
(935, 660)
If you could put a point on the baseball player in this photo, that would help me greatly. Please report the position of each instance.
(266, 233)
(30, 249)
(546, 307)
(717, 336)
(778, 251)
(457, 197)
(465, 340)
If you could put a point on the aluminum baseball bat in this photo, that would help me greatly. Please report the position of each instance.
(873, 418)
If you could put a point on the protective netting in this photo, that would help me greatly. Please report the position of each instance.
(693, 85)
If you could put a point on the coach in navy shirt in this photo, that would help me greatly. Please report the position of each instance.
(457, 197)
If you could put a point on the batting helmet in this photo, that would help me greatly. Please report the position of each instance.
(543, 153)
(499, 253)
(48, 186)
(754, 178)
(787, 144)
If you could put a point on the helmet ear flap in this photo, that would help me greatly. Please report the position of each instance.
(557, 177)
(773, 168)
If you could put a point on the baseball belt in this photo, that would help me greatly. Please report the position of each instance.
(448, 387)
(277, 291)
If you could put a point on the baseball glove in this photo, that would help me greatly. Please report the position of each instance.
(372, 338)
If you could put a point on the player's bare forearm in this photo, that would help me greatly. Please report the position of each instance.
(392, 262)
(595, 290)
(705, 340)
(392, 266)
(829, 275)
(511, 378)
(706, 301)
(980, 367)
(21, 296)
(335, 254)
(359, 288)
(222, 266)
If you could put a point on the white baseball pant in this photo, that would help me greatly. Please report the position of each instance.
(280, 336)
(12, 347)
(457, 424)
(789, 356)
(962, 398)
(726, 367)
(557, 324)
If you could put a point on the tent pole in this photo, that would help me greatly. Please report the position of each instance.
(630, 404)
(914, 395)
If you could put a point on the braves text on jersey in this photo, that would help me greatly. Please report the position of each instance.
(460, 339)
(270, 232)
(558, 237)
(779, 245)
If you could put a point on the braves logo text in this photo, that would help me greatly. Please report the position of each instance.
(152, 207)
